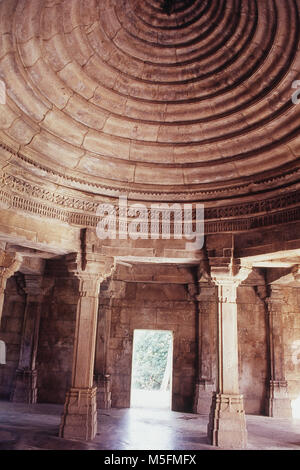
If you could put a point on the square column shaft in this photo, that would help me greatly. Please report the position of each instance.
(227, 424)
(278, 402)
(25, 387)
(79, 420)
(206, 336)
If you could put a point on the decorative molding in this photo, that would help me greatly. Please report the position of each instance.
(17, 193)
(234, 189)
(254, 207)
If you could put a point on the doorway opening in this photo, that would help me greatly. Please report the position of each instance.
(152, 364)
(296, 408)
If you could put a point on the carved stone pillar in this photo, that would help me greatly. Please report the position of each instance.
(25, 388)
(79, 420)
(206, 333)
(103, 383)
(9, 264)
(109, 292)
(278, 402)
(227, 425)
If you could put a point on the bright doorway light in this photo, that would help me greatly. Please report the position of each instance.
(296, 408)
(2, 352)
(151, 380)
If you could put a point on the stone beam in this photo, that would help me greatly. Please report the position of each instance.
(263, 244)
(46, 235)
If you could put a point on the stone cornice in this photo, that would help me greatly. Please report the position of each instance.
(88, 204)
(17, 193)
(112, 189)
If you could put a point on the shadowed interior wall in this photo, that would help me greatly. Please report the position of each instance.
(167, 306)
(139, 305)
(157, 307)
(57, 328)
(11, 333)
(291, 338)
(253, 350)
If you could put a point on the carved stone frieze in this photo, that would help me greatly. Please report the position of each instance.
(111, 190)
(32, 198)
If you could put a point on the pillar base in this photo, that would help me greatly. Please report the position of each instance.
(279, 403)
(25, 389)
(103, 383)
(227, 423)
(202, 398)
(79, 420)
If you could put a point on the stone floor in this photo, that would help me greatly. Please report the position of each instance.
(150, 399)
(30, 427)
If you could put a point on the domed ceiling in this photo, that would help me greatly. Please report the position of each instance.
(182, 99)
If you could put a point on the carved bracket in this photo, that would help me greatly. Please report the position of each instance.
(9, 264)
(230, 276)
(96, 269)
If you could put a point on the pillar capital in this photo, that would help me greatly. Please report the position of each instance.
(203, 270)
(275, 299)
(227, 279)
(37, 286)
(9, 264)
(33, 284)
(231, 274)
(296, 272)
(90, 266)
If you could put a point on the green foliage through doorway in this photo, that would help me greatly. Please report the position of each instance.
(151, 349)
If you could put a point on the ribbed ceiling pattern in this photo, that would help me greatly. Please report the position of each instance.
(152, 94)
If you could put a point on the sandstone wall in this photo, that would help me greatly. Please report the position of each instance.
(291, 339)
(57, 328)
(151, 306)
(10, 333)
(167, 306)
(253, 350)
(126, 306)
